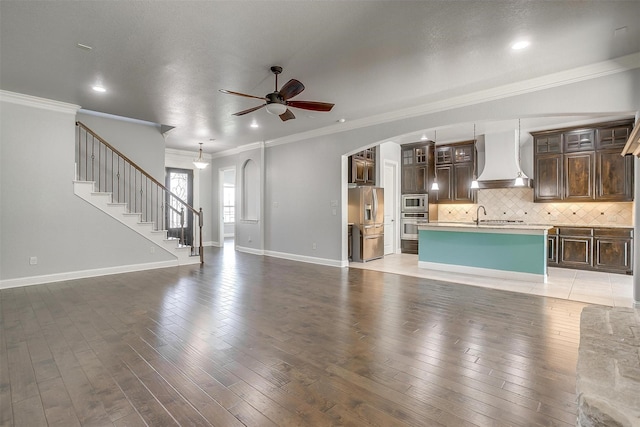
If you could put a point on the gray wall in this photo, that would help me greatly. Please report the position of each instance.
(248, 234)
(140, 141)
(300, 180)
(304, 177)
(40, 215)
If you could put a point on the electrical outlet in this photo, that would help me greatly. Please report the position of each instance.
(314, 246)
(249, 239)
(152, 250)
(33, 260)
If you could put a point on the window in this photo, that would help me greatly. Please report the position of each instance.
(178, 185)
(229, 204)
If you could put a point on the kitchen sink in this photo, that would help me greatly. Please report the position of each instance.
(501, 221)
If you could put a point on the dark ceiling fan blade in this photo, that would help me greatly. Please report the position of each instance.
(311, 105)
(287, 115)
(291, 89)
(230, 92)
(243, 112)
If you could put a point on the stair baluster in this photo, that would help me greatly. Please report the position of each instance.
(112, 165)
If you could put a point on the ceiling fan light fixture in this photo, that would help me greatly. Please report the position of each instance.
(200, 163)
(520, 44)
(276, 109)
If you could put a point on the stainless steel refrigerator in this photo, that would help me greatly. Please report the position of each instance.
(366, 214)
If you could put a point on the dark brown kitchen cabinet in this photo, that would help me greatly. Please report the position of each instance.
(417, 162)
(547, 144)
(575, 247)
(613, 249)
(613, 137)
(552, 247)
(586, 248)
(444, 155)
(548, 173)
(362, 167)
(583, 165)
(445, 178)
(615, 176)
(579, 140)
(579, 171)
(456, 164)
(462, 182)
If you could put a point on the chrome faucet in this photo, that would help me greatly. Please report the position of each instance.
(478, 214)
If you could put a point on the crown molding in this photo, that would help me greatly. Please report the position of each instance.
(36, 102)
(587, 72)
(237, 150)
(186, 153)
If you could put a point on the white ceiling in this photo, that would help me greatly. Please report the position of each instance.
(164, 62)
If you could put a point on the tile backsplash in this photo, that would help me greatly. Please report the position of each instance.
(517, 204)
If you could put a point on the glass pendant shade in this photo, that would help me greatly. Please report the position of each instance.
(435, 186)
(519, 180)
(200, 163)
(276, 108)
(474, 184)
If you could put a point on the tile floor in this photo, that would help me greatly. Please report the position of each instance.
(585, 286)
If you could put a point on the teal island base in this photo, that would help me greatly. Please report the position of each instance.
(510, 252)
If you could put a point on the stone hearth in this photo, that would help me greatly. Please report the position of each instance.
(608, 373)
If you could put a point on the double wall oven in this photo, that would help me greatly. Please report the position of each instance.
(415, 211)
(409, 224)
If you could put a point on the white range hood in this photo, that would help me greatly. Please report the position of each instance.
(501, 165)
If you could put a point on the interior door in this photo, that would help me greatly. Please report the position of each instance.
(389, 208)
(180, 183)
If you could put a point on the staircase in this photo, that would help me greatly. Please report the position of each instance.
(111, 182)
(104, 201)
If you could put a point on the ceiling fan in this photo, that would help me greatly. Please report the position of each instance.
(277, 102)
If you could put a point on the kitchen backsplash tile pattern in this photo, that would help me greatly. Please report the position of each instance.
(517, 204)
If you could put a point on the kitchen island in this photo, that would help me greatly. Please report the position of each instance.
(517, 251)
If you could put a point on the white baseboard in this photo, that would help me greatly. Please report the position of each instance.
(303, 258)
(487, 272)
(250, 250)
(83, 274)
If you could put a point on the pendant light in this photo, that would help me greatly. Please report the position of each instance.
(434, 185)
(200, 163)
(474, 181)
(519, 182)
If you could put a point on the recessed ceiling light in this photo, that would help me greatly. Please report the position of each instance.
(99, 89)
(342, 120)
(520, 45)
(84, 46)
(423, 137)
(254, 124)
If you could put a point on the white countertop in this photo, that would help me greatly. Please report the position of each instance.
(506, 228)
(516, 225)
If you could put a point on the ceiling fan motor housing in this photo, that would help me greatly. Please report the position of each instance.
(274, 98)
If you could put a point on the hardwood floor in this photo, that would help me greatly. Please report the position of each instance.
(250, 340)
